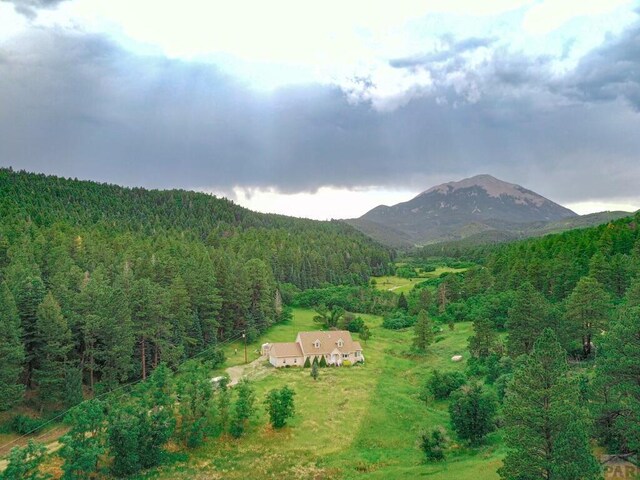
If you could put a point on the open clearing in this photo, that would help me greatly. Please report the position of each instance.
(400, 284)
(353, 423)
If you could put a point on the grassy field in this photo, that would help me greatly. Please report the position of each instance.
(400, 284)
(353, 423)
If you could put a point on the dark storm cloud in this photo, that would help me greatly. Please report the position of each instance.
(79, 106)
(29, 8)
(611, 71)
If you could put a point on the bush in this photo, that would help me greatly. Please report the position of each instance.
(346, 363)
(441, 385)
(354, 325)
(23, 424)
(307, 363)
(433, 444)
(398, 320)
(280, 406)
(323, 362)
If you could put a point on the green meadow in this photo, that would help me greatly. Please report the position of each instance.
(352, 423)
(404, 285)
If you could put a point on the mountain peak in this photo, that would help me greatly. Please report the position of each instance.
(494, 188)
(458, 209)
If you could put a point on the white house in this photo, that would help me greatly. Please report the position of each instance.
(335, 346)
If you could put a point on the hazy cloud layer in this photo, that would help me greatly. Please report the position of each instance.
(80, 106)
(29, 8)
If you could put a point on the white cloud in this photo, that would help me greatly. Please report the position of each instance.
(593, 206)
(325, 204)
(549, 15)
(11, 23)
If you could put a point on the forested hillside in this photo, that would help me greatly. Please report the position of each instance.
(535, 304)
(99, 283)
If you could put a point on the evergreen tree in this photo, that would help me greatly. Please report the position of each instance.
(280, 406)
(84, 444)
(526, 320)
(194, 398)
(28, 291)
(365, 334)
(484, 338)
(223, 403)
(402, 302)
(618, 371)
(115, 338)
(11, 351)
(55, 343)
(139, 427)
(423, 331)
(315, 371)
(587, 310)
(545, 428)
(244, 407)
(472, 411)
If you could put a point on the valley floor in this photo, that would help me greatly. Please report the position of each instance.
(353, 422)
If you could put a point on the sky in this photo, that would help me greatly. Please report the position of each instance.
(326, 109)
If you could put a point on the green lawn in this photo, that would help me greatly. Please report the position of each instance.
(400, 284)
(353, 423)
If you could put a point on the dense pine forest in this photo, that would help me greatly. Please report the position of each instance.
(103, 286)
(99, 284)
(534, 305)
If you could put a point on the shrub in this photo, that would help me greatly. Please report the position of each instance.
(280, 407)
(354, 325)
(398, 320)
(23, 424)
(433, 444)
(346, 363)
(307, 363)
(323, 362)
(441, 385)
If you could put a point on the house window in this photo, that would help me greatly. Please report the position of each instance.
(295, 360)
(345, 355)
(316, 344)
(284, 360)
(340, 343)
(357, 354)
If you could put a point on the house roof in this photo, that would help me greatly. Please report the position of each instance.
(289, 349)
(328, 342)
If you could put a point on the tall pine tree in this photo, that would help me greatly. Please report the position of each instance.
(527, 318)
(545, 428)
(618, 370)
(55, 343)
(423, 331)
(11, 351)
(586, 312)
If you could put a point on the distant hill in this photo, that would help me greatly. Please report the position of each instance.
(482, 209)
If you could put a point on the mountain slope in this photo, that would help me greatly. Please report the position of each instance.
(303, 252)
(481, 206)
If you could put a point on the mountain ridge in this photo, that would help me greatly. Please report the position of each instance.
(460, 209)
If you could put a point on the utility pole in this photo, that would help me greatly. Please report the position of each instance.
(244, 337)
